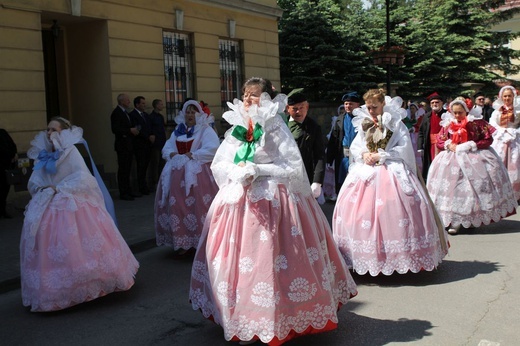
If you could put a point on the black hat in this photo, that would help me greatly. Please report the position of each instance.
(351, 96)
(296, 96)
(478, 94)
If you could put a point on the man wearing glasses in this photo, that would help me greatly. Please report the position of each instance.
(486, 108)
(430, 127)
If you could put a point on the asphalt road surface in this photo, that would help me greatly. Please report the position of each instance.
(473, 298)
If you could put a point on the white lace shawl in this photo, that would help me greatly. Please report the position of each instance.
(398, 151)
(203, 148)
(73, 180)
(277, 159)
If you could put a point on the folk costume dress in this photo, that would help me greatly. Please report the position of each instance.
(469, 187)
(70, 249)
(186, 187)
(506, 138)
(267, 267)
(383, 220)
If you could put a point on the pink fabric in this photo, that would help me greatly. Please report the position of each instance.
(381, 229)
(510, 155)
(78, 255)
(179, 222)
(269, 269)
(470, 188)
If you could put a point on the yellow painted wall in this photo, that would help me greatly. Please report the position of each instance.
(22, 87)
(114, 47)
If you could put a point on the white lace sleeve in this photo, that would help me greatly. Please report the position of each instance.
(400, 148)
(169, 147)
(223, 162)
(493, 120)
(210, 144)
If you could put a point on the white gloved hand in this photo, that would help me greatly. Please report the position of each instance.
(464, 147)
(316, 189)
(346, 152)
(243, 174)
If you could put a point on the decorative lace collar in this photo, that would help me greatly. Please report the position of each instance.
(60, 141)
(267, 109)
(392, 115)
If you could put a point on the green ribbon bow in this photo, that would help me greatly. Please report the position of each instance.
(246, 151)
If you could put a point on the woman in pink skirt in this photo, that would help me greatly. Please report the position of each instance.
(383, 221)
(467, 181)
(186, 187)
(267, 267)
(506, 139)
(70, 250)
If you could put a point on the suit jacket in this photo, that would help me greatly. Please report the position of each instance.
(335, 144)
(424, 142)
(157, 129)
(7, 150)
(312, 150)
(487, 110)
(121, 124)
(142, 139)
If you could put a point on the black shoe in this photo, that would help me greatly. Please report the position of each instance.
(126, 198)
(137, 195)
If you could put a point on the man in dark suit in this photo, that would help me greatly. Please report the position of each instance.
(487, 110)
(158, 136)
(309, 138)
(7, 159)
(124, 131)
(341, 137)
(430, 127)
(142, 143)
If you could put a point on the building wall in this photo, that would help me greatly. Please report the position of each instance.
(22, 87)
(114, 47)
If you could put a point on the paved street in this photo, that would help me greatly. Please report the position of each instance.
(472, 299)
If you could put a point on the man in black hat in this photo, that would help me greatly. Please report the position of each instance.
(430, 127)
(487, 110)
(307, 134)
(341, 137)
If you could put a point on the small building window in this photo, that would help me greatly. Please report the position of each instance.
(231, 74)
(178, 71)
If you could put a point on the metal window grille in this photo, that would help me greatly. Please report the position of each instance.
(178, 71)
(231, 75)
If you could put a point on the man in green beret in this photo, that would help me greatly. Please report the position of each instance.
(307, 134)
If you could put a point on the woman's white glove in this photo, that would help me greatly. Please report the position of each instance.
(469, 145)
(243, 174)
(316, 189)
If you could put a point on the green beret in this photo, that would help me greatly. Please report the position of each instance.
(296, 96)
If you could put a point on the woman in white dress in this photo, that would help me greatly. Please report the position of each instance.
(506, 139)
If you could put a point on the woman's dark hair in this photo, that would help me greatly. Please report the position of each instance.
(264, 84)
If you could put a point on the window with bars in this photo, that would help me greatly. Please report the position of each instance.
(178, 71)
(231, 75)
